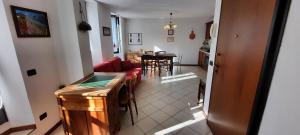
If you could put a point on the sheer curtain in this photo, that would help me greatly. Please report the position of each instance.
(115, 31)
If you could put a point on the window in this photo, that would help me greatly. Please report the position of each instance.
(116, 34)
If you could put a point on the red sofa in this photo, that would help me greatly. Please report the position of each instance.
(117, 65)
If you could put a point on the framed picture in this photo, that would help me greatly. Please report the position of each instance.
(30, 23)
(135, 39)
(106, 31)
(170, 39)
(171, 32)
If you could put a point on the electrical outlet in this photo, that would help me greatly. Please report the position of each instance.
(43, 116)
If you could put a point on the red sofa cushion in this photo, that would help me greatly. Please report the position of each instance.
(135, 71)
(127, 65)
(116, 63)
(104, 67)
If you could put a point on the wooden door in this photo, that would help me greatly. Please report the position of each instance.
(242, 41)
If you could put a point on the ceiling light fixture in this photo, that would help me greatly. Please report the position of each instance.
(171, 25)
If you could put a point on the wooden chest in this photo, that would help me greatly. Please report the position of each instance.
(91, 110)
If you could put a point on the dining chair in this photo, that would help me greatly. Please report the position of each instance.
(162, 64)
(150, 63)
(178, 62)
(125, 98)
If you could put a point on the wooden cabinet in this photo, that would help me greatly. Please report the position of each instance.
(203, 59)
(91, 110)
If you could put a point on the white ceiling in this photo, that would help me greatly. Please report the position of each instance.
(161, 8)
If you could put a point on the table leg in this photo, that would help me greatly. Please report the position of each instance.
(143, 66)
(171, 66)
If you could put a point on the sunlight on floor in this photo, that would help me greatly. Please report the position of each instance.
(176, 78)
(176, 127)
(198, 116)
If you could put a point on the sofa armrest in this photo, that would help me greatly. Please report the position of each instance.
(137, 65)
(103, 67)
(128, 65)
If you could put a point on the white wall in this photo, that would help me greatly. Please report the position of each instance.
(99, 16)
(83, 40)
(37, 53)
(281, 116)
(60, 59)
(12, 87)
(95, 41)
(70, 45)
(154, 36)
(210, 70)
(106, 41)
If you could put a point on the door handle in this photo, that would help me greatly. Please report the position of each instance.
(216, 68)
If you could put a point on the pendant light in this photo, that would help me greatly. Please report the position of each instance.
(171, 25)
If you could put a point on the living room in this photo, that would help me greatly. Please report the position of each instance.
(34, 67)
(59, 59)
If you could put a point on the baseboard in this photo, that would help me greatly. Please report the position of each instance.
(18, 129)
(189, 65)
(53, 128)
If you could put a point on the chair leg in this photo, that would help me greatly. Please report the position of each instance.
(130, 110)
(198, 101)
(159, 70)
(133, 94)
(134, 101)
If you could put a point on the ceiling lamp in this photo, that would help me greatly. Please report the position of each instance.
(171, 25)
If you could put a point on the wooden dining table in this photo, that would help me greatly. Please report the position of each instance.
(167, 56)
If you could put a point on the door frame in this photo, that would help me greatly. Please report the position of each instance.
(274, 43)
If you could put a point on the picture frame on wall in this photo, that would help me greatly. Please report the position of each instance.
(106, 31)
(170, 39)
(29, 22)
(171, 32)
(135, 38)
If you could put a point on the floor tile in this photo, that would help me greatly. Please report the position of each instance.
(159, 104)
(183, 116)
(168, 99)
(200, 127)
(186, 131)
(170, 109)
(180, 104)
(131, 130)
(140, 116)
(170, 122)
(141, 103)
(26, 132)
(155, 129)
(149, 109)
(159, 116)
(147, 124)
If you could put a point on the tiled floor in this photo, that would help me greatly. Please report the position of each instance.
(26, 132)
(166, 105)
